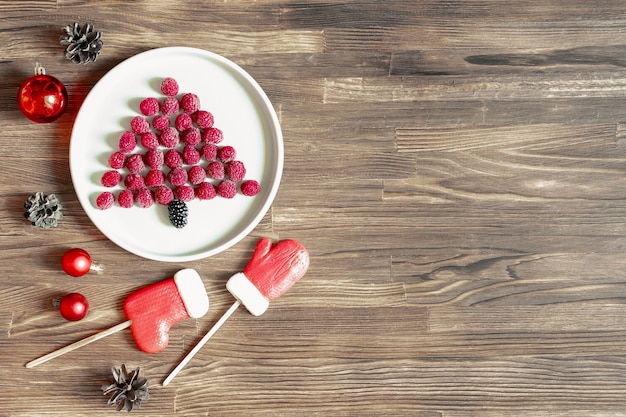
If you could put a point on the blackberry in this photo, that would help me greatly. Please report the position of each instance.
(178, 212)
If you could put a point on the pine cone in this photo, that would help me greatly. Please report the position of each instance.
(83, 43)
(43, 210)
(127, 390)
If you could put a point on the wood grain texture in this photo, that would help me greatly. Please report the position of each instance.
(455, 168)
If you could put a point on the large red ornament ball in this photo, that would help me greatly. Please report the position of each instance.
(42, 98)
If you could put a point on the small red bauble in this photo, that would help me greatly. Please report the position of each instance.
(42, 98)
(73, 307)
(77, 262)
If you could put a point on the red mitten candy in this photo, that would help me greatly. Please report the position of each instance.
(271, 271)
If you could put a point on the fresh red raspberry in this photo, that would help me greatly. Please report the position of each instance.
(183, 122)
(105, 200)
(134, 182)
(163, 195)
(144, 197)
(127, 142)
(250, 188)
(169, 137)
(160, 122)
(226, 189)
(190, 103)
(149, 140)
(149, 106)
(170, 106)
(205, 191)
(203, 119)
(139, 125)
(111, 178)
(154, 178)
(184, 193)
(209, 151)
(235, 170)
(135, 164)
(215, 170)
(177, 177)
(154, 158)
(173, 159)
(117, 160)
(196, 174)
(191, 136)
(169, 86)
(126, 199)
(191, 156)
(212, 135)
(227, 153)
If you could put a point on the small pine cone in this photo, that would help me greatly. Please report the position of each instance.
(127, 390)
(43, 210)
(83, 44)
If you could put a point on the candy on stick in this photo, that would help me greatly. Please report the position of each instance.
(151, 312)
(271, 271)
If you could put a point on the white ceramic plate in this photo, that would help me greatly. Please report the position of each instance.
(241, 110)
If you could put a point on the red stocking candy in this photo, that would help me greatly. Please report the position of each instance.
(154, 309)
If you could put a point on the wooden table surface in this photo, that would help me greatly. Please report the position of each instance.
(455, 169)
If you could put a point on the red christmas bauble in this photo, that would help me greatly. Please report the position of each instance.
(42, 98)
(76, 262)
(73, 307)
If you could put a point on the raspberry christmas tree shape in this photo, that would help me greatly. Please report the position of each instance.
(172, 150)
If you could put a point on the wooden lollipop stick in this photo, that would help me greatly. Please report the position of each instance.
(202, 342)
(79, 344)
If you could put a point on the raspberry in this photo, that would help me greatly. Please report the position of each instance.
(154, 178)
(169, 86)
(205, 191)
(190, 103)
(127, 142)
(163, 195)
(117, 160)
(177, 211)
(191, 156)
(126, 199)
(169, 137)
(183, 122)
(154, 158)
(203, 119)
(212, 135)
(170, 106)
(173, 159)
(149, 106)
(134, 182)
(177, 176)
(139, 125)
(196, 174)
(135, 164)
(250, 188)
(184, 193)
(144, 197)
(105, 200)
(215, 170)
(226, 189)
(149, 140)
(160, 122)
(227, 153)
(236, 171)
(111, 178)
(209, 151)
(191, 136)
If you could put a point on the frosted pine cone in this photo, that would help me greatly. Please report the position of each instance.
(126, 389)
(43, 210)
(83, 44)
